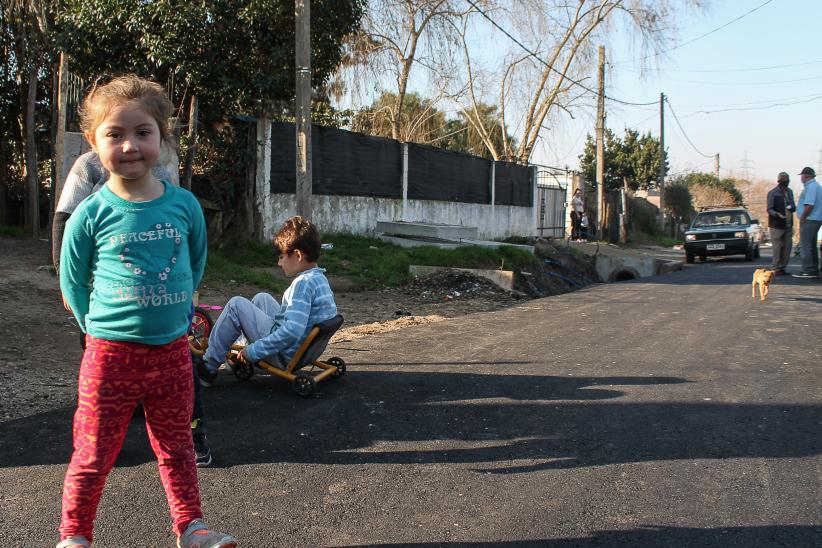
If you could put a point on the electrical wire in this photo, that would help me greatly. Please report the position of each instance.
(684, 133)
(688, 170)
(538, 58)
(759, 102)
(700, 37)
(751, 69)
(763, 107)
(768, 83)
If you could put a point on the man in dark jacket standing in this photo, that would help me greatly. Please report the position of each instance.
(780, 221)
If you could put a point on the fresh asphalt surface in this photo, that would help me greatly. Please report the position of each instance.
(667, 411)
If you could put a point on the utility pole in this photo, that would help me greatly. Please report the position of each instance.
(60, 130)
(601, 146)
(302, 17)
(661, 181)
(191, 152)
(716, 166)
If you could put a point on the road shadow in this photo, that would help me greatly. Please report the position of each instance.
(766, 536)
(807, 299)
(497, 423)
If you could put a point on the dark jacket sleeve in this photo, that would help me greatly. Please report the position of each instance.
(58, 226)
(771, 211)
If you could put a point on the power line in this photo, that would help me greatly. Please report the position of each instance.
(763, 107)
(636, 125)
(700, 37)
(759, 102)
(538, 58)
(751, 69)
(690, 169)
(684, 132)
(737, 83)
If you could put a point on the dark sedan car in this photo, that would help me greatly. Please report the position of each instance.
(721, 232)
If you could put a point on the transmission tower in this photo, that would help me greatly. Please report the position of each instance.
(745, 166)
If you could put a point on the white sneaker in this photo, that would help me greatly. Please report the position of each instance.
(198, 535)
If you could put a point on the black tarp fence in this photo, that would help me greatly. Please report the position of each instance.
(436, 174)
(512, 184)
(352, 164)
(343, 163)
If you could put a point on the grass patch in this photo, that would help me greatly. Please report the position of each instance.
(369, 262)
(518, 240)
(246, 263)
(374, 263)
(13, 231)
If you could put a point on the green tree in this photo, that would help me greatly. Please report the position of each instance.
(223, 57)
(26, 46)
(707, 190)
(632, 161)
(462, 136)
(678, 201)
(237, 56)
(420, 120)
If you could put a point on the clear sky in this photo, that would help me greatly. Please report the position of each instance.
(729, 74)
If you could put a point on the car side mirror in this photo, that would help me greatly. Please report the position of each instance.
(754, 221)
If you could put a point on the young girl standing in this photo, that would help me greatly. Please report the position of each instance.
(143, 243)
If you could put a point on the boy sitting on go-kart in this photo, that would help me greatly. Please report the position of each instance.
(275, 331)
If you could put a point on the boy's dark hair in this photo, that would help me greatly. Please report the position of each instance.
(298, 233)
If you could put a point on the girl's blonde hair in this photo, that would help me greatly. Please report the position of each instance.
(105, 96)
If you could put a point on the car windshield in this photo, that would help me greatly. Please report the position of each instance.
(720, 218)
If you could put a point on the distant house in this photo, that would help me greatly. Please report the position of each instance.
(651, 195)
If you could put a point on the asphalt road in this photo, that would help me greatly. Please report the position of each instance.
(668, 411)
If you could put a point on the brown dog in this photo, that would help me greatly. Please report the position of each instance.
(762, 278)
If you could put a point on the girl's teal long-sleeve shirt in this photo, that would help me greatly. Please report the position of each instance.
(128, 269)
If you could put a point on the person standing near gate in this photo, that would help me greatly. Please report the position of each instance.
(780, 221)
(577, 212)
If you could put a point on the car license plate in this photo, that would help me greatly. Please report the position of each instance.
(715, 247)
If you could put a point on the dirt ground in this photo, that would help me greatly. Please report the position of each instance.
(40, 343)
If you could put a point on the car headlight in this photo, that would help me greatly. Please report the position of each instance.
(690, 237)
(741, 234)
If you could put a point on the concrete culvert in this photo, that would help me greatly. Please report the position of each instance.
(624, 275)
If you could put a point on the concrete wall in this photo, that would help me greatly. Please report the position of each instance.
(359, 214)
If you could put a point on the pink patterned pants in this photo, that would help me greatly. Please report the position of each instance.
(114, 376)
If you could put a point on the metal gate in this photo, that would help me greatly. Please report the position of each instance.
(552, 189)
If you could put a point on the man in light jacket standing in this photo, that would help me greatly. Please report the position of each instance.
(810, 220)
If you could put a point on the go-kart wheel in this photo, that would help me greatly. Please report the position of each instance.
(339, 363)
(242, 371)
(200, 328)
(201, 323)
(304, 384)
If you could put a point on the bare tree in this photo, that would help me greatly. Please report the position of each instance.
(755, 197)
(396, 36)
(711, 196)
(548, 72)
